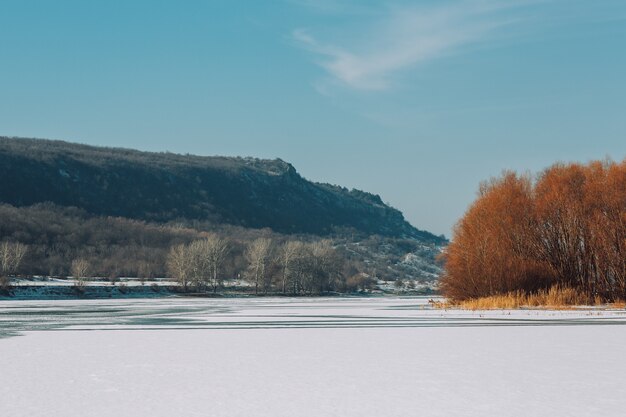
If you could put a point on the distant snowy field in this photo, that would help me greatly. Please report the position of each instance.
(306, 357)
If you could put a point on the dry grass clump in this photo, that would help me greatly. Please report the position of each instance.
(556, 297)
(560, 297)
(510, 301)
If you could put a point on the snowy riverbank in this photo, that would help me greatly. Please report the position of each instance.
(52, 288)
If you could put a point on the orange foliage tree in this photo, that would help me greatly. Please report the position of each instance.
(566, 227)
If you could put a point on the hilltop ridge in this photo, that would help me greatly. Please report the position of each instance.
(161, 187)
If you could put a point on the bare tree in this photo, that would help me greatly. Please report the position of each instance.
(205, 260)
(288, 257)
(19, 251)
(11, 255)
(259, 254)
(218, 249)
(80, 270)
(301, 270)
(198, 263)
(325, 266)
(179, 264)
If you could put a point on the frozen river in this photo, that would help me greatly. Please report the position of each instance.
(306, 357)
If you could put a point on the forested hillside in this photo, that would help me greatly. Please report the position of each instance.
(123, 212)
(164, 187)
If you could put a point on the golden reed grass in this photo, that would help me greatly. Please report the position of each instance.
(557, 298)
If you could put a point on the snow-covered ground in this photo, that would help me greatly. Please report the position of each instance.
(53, 288)
(105, 282)
(306, 357)
(99, 282)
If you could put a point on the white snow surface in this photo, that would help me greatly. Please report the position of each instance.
(306, 357)
(100, 282)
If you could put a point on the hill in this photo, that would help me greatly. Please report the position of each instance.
(164, 187)
(123, 210)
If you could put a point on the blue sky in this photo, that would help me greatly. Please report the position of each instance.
(417, 101)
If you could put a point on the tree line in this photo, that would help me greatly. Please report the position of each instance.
(292, 267)
(68, 242)
(565, 227)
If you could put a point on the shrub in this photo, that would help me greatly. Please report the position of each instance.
(567, 228)
(5, 285)
(122, 288)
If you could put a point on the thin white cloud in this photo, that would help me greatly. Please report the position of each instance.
(405, 37)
